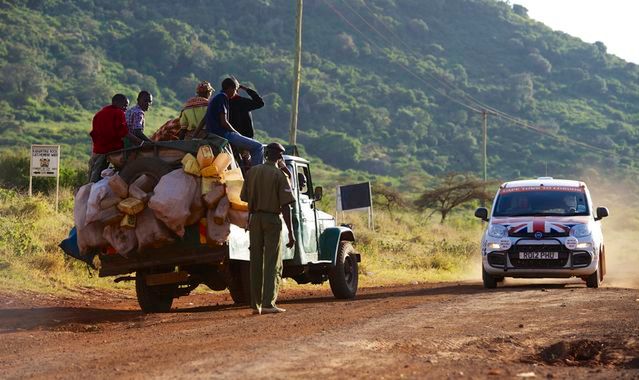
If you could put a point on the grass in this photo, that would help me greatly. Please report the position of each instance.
(30, 230)
(403, 248)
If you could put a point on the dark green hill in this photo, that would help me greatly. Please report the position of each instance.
(388, 85)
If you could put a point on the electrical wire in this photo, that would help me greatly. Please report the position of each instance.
(470, 102)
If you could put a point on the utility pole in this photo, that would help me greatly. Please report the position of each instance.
(297, 74)
(485, 158)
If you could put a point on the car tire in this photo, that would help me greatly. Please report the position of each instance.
(240, 282)
(153, 299)
(595, 279)
(343, 277)
(490, 282)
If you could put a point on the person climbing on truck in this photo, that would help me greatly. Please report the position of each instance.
(217, 122)
(268, 194)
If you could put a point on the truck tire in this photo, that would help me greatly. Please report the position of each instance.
(343, 277)
(490, 282)
(240, 283)
(153, 299)
(151, 166)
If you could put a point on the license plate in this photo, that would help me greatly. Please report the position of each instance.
(539, 255)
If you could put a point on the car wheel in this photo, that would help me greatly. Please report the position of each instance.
(490, 282)
(595, 279)
(343, 277)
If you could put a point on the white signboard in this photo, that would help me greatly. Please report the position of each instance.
(45, 160)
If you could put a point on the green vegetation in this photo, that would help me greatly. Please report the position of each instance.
(61, 60)
(30, 259)
(382, 107)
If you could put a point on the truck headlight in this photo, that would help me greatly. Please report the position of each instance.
(497, 231)
(581, 230)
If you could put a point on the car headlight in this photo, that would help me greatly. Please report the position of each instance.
(581, 230)
(497, 231)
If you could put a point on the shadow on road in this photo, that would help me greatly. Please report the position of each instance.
(62, 318)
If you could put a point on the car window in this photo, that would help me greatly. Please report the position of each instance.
(541, 202)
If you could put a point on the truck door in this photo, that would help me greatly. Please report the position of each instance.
(308, 217)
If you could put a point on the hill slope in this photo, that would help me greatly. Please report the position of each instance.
(386, 84)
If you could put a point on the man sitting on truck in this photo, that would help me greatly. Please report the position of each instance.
(108, 130)
(135, 115)
(217, 122)
(268, 194)
(194, 110)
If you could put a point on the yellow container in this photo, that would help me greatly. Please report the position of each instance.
(222, 161)
(128, 221)
(239, 206)
(209, 171)
(190, 165)
(234, 175)
(205, 156)
(131, 206)
(233, 189)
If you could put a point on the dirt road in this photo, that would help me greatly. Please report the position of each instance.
(448, 330)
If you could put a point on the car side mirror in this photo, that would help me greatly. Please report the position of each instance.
(602, 212)
(317, 194)
(482, 213)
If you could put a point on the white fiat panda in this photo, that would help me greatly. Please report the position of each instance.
(543, 228)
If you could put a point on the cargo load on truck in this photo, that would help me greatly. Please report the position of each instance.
(169, 216)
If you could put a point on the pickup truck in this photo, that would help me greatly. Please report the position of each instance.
(323, 250)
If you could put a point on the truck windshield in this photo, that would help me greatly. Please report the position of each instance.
(540, 202)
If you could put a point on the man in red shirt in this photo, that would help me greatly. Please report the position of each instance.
(109, 127)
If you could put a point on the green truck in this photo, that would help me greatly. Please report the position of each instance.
(323, 250)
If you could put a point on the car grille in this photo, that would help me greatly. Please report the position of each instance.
(513, 255)
(531, 235)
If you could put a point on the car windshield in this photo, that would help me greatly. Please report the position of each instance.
(541, 202)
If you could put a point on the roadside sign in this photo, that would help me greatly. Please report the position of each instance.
(45, 162)
(356, 197)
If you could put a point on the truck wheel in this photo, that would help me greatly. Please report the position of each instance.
(153, 167)
(153, 299)
(490, 282)
(240, 284)
(343, 276)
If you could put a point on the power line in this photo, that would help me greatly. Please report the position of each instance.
(399, 63)
(475, 105)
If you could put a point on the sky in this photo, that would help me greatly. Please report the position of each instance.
(613, 22)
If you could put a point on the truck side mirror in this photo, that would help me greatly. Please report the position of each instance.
(482, 213)
(317, 194)
(602, 212)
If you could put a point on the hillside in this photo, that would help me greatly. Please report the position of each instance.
(388, 86)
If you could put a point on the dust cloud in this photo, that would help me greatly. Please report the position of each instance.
(621, 228)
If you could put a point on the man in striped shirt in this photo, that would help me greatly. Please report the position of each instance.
(135, 115)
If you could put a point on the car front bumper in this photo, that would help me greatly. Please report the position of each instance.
(568, 262)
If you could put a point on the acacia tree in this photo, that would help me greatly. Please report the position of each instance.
(388, 197)
(453, 190)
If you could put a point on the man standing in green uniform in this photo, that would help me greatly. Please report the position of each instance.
(268, 193)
